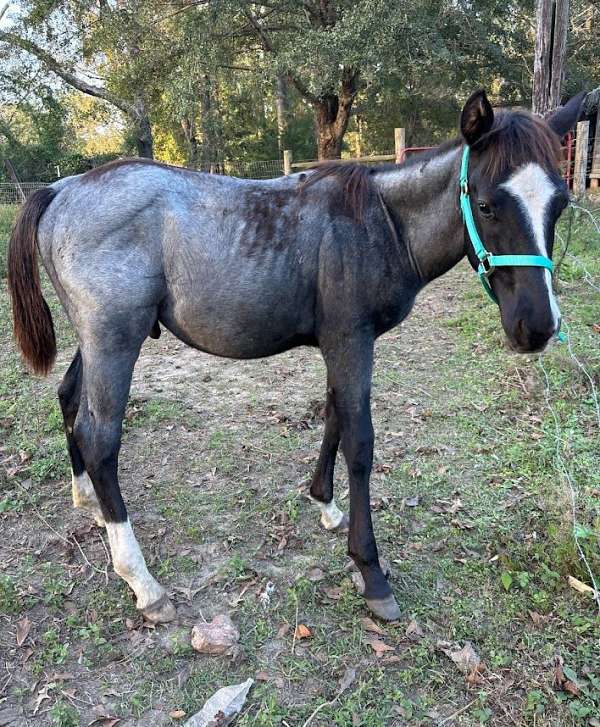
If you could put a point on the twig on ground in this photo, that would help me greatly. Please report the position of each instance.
(458, 712)
(41, 517)
(295, 626)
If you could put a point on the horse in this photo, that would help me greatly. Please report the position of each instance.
(243, 269)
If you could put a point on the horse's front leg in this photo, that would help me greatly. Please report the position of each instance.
(321, 489)
(350, 368)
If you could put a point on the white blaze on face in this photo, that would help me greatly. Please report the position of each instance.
(533, 189)
(129, 563)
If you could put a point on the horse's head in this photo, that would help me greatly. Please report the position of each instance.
(516, 194)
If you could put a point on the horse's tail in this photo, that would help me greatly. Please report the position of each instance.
(32, 320)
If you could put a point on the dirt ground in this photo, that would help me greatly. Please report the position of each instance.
(470, 512)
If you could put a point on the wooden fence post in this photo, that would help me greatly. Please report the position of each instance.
(287, 162)
(400, 144)
(581, 157)
(595, 173)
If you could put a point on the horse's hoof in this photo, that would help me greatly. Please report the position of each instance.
(341, 527)
(386, 609)
(160, 612)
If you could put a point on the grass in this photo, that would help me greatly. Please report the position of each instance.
(7, 215)
(470, 509)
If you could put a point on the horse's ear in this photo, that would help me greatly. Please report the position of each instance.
(565, 117)
(476, 118)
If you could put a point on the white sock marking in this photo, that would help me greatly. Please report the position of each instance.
(331, 515)
(84, 496)
(129, 563)
(533, 189)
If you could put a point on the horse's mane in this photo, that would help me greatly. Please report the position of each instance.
(516, 138)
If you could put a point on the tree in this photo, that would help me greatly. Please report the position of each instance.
(110, 39)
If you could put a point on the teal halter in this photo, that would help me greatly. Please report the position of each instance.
(488, 262)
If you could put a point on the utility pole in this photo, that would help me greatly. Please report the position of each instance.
(552, 20)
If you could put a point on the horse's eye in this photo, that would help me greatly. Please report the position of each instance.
(484, 208)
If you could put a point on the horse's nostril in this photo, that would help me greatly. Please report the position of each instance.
(534, 336)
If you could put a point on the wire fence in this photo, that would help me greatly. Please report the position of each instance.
(12, 193)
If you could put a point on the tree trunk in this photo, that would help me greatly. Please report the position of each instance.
(332, 113)
(193, 148)
(210, 125)
(552, 18)
(143, 137)
(281, 104)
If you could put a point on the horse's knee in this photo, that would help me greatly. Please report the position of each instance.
(99, 442)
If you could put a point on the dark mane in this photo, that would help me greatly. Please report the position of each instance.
(353, 178)
(516, 138)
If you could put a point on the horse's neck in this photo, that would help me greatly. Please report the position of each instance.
(424, 200)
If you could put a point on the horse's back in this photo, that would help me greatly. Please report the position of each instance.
(227, 263)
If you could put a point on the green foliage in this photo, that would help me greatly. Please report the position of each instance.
(205, 75)
(64, 715)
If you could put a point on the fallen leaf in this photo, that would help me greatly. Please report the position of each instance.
(370, 625)
(579, 585)
(334, 593)
(536, 617)
(23, 629)
(571, 688)
(414, 631)
(302, 632)
(455, 506)
(564, 677)
(216, 637)
(262, 676)
(378, 646)
(42, 696)
(315, 575)
(347, 679)
(474, 677)
(222, 708)
(466, 659)
(283, 630)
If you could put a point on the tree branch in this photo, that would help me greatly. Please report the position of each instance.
(302, 89)
(70, 78)
(266, 41)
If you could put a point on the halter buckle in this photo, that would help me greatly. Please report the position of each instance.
(486, 266)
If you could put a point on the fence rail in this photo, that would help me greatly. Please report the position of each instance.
(579, 164)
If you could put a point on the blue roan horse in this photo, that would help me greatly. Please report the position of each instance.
(246, 269)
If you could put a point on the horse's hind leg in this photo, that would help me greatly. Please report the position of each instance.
(321, 489)
(69, 395)
(107, 374)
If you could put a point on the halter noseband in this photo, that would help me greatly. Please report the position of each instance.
(488, 262)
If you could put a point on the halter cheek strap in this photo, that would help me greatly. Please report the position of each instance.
(488, 262)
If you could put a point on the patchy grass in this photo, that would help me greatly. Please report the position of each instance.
(470, 509)
(7, 215)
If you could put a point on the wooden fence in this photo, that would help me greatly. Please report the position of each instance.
(581, 163)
